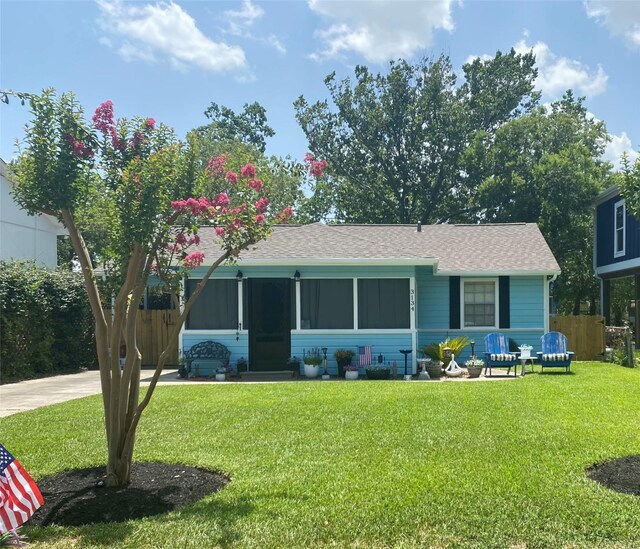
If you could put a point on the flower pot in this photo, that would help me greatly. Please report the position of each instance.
(434, 369)
(220, 377)
(351, 374)
(474, 371)
(311, 370)
(378, 373)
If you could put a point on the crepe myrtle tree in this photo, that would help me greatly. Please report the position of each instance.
(138, 184)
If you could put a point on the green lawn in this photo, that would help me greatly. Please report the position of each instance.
(368, 464)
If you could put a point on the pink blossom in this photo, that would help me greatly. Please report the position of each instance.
(308, 158)
(79, 148)
(195, 239)
(259, 218)
(116, 141)
(223, 200)
(232, 177)
(285, 215)
(150, 123)
(248, 171)
(215, 167)
(256, 184)
(137, 139)
(181, 238)
(103, 118)
(317, 168)
(193, 260)
(237, 222)
(220, 231)
(179, 204)
(261, 205)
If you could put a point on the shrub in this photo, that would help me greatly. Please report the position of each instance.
(45, 322)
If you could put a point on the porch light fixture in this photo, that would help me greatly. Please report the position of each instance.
(239, 276)
(296, 276)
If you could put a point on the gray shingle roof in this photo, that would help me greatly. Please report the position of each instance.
(452, 249)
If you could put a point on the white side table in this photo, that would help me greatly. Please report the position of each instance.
(523, 364)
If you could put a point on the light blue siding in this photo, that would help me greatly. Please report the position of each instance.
(527, 301)
(432, 300)
(388, 345)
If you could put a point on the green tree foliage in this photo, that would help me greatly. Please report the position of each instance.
(45, 321)
(545, 168)
(629, 184)
(394, 142)
(248, 127)
(130, 186)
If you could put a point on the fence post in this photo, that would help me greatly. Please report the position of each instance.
(628, 343)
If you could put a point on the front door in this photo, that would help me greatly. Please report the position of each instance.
(269, 323)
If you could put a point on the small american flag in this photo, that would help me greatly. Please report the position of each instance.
(364, 355)
(19, 495)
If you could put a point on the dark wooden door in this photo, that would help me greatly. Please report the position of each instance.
(269, 323)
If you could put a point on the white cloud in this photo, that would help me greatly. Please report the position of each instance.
(241, 20)
(558, 74)
(273, 41)
(619, 144)
(380, 30)
(165, 30)
(621, 18)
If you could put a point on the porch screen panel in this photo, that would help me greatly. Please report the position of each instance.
(216, 307)
(326, 304)
(383, 303)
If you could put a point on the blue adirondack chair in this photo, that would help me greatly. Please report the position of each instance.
(497, 354)
(554, 352)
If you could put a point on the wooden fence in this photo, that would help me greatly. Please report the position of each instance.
(585, 335)
(152, 333)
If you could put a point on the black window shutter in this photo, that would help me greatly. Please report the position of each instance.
(454, 302)
(504, 306)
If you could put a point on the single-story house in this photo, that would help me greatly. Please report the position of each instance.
(391, 287)
(616, 248)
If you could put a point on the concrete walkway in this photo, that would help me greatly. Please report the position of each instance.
(31, 394)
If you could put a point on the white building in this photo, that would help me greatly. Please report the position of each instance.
(23, 236)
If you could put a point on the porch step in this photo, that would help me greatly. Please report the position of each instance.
(276, 375)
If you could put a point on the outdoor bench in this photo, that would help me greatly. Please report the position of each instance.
(207, 355)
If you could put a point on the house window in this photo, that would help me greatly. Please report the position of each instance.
(619, 228)
(383, 303)
(216, 307)
(480, 303)
(326, 304)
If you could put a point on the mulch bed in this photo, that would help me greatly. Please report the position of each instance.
(621, 475)
(75, 497)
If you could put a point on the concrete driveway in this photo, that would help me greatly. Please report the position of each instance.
(28, 395)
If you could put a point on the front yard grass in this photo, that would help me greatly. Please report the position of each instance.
(368, 464)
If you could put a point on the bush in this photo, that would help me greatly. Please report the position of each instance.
(45, 321)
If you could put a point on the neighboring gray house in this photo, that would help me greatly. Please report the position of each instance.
(23, 236)
(390, 287)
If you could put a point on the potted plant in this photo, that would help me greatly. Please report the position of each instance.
(312, 360)
(293, 363)
(436, 351)
(343, 358)
(474, 366)
(241, 365)
(377, 372)
(221, 373)
(351, 371)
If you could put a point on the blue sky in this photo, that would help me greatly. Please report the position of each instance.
(170, 60)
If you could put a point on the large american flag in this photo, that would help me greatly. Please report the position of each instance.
(364, 355)
(19, 495)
